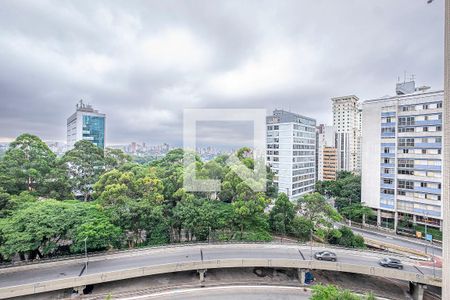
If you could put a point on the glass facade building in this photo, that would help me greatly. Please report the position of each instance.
(94, 130)
(86, 124)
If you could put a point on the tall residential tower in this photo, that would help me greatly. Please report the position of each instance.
(291, 150)
(347, 122)
(402, 158)
(86, 124)
(326, 153)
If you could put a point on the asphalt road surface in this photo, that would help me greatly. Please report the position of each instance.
(231, 293)
(399, 241)
(160, 256)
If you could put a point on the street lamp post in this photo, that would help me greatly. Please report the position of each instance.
(86, 256)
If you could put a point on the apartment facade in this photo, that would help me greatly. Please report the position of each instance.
(86, 124)
(347, 122)
(291, 152)
(326, 153)
(402, 158)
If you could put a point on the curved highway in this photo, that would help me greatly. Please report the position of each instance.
(389, 238)
(29, 279)
(231, 293)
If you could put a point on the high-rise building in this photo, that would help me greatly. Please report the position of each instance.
(291, 150)
(402, 157)
(86, 124)
(347, 122)
(326, 153)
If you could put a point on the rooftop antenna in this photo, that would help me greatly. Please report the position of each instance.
(404, 76)
(413, 77)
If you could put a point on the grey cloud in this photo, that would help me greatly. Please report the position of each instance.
(142, 62)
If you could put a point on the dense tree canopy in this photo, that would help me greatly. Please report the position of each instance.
(128, 205)
(85, 163)
(29, 165)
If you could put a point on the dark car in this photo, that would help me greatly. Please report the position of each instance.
(391, 263)
(325, 255)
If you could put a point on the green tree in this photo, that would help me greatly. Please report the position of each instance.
(301, 228)
(5, 202)
(356, 212)
(29, 165)
(282, 214)
(331, 292)
(249, 216)
(317, 210)
(43, 227)
(115, 158)
(85, 163)
(344, 236)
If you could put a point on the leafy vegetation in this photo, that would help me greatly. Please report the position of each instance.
(346, 192)
(331, 292)
(54, 206)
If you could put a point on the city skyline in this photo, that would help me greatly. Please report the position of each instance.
(143, 89)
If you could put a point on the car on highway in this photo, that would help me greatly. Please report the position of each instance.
(389, 262)
(325, 255)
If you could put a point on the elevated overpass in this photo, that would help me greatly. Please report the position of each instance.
(59, 275)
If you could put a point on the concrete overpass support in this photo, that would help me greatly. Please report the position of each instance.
(302, 275)
(417, 290)
(201, 274)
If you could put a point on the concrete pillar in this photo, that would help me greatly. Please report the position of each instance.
(414, 219)
(201, 274)
(417, 290)
(302, 276)
(378, 217)
(79, 289)
(446, 161)
(395, 221)
(364, 219)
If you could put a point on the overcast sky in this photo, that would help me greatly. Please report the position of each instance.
(142, 62)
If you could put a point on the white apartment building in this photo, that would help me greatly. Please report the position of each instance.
(86, 124)
(347, 122)
(291, 150)
(402, 158)
(326, 147)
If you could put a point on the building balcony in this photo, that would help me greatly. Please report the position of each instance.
(387, 186)
(427, 168)
(425, 212)
(428, 122)
(386, 206)
(388, 134)
(386, 175)
(387, 196)
(427, 190)
(388, 114)
(387, 165)
(428, 145)
(387, 154)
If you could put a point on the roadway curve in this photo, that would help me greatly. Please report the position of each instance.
(400, 241)
(43, 277)
(230, 293)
